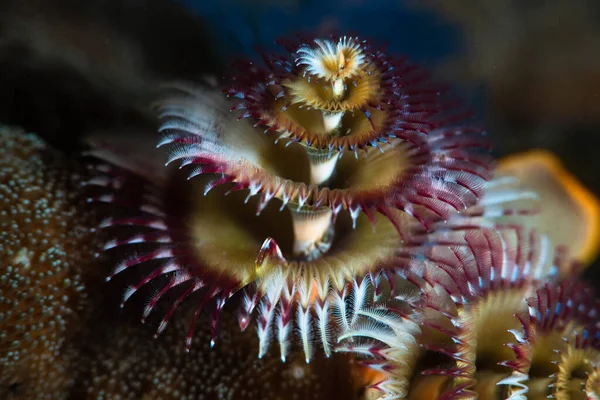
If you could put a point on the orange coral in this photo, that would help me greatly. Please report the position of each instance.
(569, 213)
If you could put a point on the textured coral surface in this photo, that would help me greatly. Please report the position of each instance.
(121, 359)
(45, 243)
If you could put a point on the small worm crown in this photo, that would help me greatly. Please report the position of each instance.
(337, 93)
(330, 60)
(487, 319)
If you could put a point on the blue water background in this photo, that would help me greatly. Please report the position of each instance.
(239, 28)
